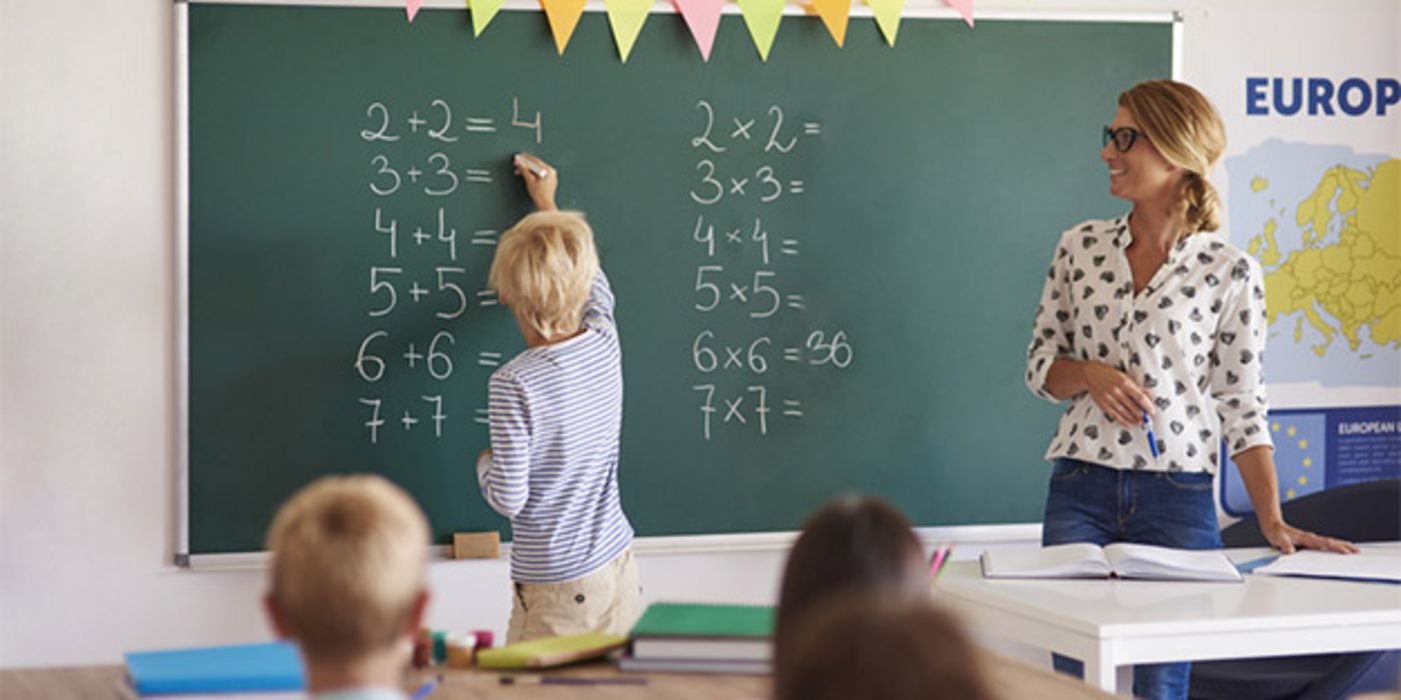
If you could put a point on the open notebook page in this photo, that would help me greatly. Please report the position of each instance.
(1081, 560)
(1150, 562)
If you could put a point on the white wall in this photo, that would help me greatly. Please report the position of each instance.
(87, 346)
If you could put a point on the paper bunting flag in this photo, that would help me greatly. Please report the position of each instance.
(702, 18)
(412, 7)
(483, 11)
(965, 9)
(887, 14)
(626, 18)
(762, 18)
(564, 17)
(834, 14)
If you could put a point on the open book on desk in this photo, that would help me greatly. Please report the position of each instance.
(1118, 560)
(1371, 564)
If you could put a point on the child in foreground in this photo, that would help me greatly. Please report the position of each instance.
(349, 559)
(856, 618)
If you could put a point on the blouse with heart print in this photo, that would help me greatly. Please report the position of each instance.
(1194, 339)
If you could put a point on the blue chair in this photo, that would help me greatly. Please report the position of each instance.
(1366, 512)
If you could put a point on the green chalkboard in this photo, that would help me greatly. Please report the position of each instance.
(826, 264)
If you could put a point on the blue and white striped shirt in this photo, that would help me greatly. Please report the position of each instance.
(556, 414)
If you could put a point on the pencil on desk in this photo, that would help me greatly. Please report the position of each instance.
(570, 680)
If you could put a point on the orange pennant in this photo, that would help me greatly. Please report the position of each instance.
(834, 14)
(564, 17)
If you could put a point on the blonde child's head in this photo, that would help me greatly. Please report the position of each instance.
(544, 268)
(349, 558)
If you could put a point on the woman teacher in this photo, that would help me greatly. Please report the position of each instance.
(1154, 330)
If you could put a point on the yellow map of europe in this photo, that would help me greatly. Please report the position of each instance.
(1325, 224)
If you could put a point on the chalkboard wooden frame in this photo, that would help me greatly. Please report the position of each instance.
(688, 544)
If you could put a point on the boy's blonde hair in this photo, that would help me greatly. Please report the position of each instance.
(349, 556)
(544, 268)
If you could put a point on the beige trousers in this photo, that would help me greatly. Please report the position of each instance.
(608, 600)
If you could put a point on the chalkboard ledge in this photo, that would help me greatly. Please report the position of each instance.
(979, 535)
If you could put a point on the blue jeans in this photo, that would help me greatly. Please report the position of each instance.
(1090, 503)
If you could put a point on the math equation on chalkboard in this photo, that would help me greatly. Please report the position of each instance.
(430, 257)
(742, 168)
(425, 159)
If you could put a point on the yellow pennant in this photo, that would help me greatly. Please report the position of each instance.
(626, 17)
(762, 18)
(564, 17)
(887, 14)
(834, 14)
(483, 11)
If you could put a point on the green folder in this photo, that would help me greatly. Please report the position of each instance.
(705, 620)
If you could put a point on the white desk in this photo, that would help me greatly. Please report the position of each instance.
(1110, 623)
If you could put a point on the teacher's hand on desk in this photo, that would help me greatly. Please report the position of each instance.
(1257, 471)
(1286, 538)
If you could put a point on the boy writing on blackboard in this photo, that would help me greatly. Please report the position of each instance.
(349, 559)
(556, 413)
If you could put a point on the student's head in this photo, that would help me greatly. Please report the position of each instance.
(1180, 138)
(852, 545)
(863, 646)
(544, 268)
(349, 558)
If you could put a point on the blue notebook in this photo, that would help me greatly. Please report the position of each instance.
(270, 666)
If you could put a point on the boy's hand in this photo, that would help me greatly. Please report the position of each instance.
(483, 465)
(541, 180)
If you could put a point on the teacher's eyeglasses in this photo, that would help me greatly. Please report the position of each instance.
(1123, 137)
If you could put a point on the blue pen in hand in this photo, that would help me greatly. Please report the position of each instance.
(1152, 439)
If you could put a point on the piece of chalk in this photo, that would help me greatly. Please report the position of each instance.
(539, 172)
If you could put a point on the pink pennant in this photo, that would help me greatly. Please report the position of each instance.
(965, 9)
(412, 7)
(702, 18)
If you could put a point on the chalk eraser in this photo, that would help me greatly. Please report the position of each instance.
(476, 545)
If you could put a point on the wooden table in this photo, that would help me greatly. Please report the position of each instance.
(1012, 680)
